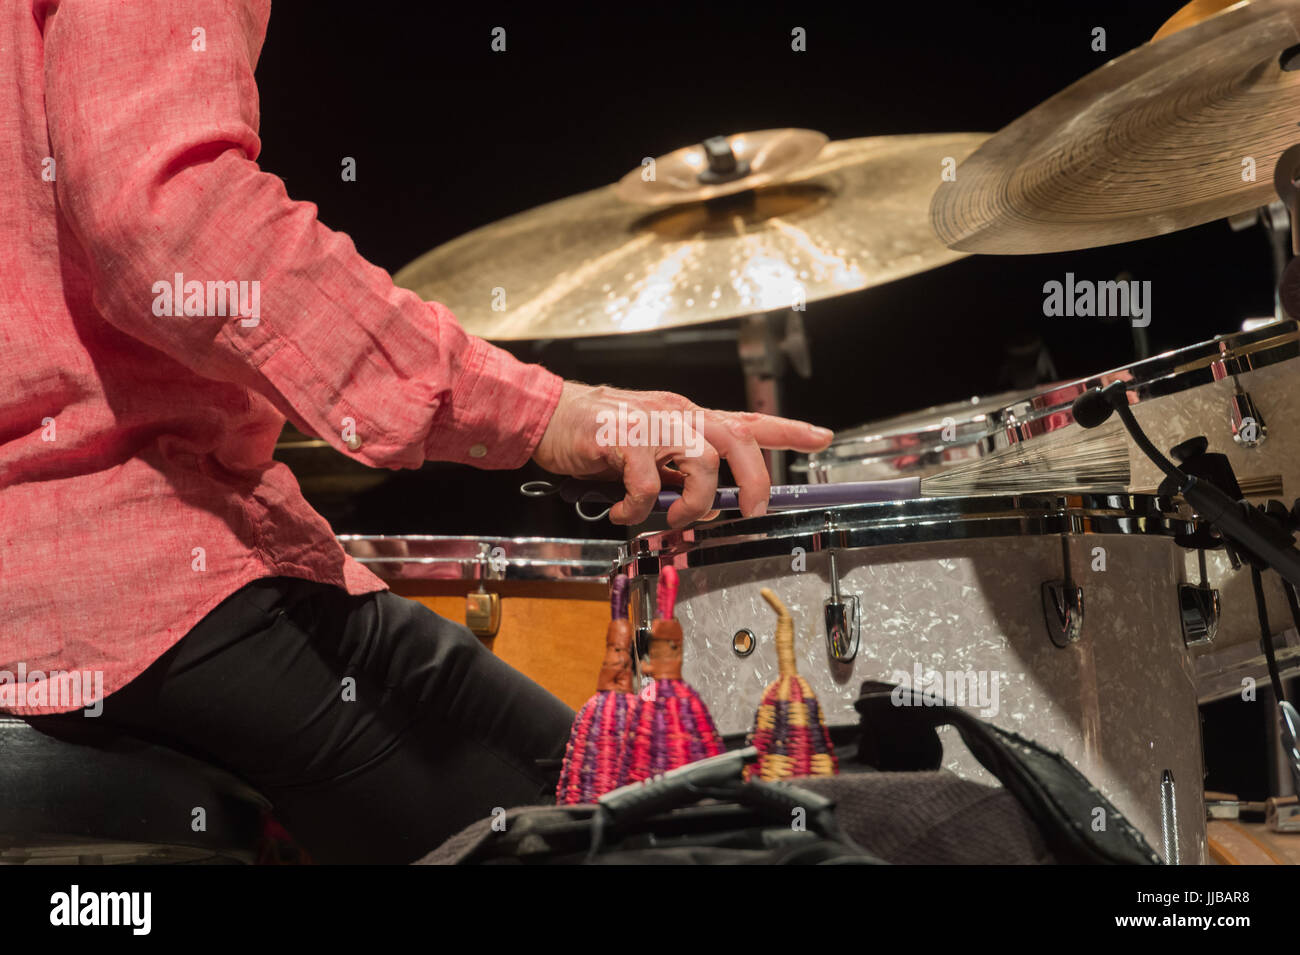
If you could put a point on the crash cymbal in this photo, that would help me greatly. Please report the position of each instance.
(1181, 131)
(1192, 14)
(721, 166)
(594, 264)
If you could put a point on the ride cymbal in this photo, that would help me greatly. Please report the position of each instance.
(1178, 132)
(594, 264)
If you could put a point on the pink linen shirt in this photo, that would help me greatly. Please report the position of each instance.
(164, 307)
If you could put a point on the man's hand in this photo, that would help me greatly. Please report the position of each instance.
(605, 433)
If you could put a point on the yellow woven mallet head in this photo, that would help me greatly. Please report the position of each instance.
(789, 731)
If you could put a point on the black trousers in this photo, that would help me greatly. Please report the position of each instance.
(376, 728)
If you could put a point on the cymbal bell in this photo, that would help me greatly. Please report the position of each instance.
(757, 159)
(594, 264)
(1181, 131)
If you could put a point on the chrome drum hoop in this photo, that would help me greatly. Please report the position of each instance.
(873, 451)
(921, 520)
(1170, 373)
(438, 557)
(922, 435)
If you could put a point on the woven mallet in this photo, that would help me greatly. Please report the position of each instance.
(595, 760)
(674, 726)
(789, 731)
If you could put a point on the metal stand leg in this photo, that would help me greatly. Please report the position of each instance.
(766, 343)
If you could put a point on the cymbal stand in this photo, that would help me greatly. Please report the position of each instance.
(766, 344)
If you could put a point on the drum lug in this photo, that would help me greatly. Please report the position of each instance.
(1198, 607)
(843, 623)
(1063, 611)
(843, 619)
(483, 614)
(1248, 428)
(482, 609)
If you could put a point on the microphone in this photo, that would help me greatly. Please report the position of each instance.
(1255, 534)
(1092, 409)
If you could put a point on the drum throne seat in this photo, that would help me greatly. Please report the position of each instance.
(73, 790)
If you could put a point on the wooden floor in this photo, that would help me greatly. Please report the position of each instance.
(1233, 842)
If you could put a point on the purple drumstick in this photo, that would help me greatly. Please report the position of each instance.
(783, 496)
(794, 496)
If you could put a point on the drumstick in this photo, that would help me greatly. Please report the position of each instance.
(783, 496)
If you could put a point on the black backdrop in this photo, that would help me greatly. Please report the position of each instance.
(449, 135)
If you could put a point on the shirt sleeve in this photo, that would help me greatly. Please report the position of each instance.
(152, 111)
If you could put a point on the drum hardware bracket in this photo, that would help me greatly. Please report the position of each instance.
(483, 609)
(1063, 604)
(1063, 611)
(1282, 813)
(1248, 427)
(843, 620)
(645, 611)
(1198, 607)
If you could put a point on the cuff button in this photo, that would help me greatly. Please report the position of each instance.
(478, 451)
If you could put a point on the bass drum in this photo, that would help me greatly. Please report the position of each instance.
(551, 597)
(1053, 617)
(1240, 391)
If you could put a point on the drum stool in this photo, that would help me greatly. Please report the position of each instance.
(73, 791)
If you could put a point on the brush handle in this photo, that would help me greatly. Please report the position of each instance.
(783, 496)
(618, 597)
(616, 669)
(784, 635)
(667, 596)
(665, 650)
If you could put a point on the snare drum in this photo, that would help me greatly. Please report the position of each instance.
(540, 604)
(1054, 617)
(1241, 391)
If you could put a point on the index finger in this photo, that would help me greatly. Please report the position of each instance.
(783, 434)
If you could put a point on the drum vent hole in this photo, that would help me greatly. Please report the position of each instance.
(743, 643)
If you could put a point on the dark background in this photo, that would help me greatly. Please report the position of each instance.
(449, 136)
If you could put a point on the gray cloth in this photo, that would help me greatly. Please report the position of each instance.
(928, 818)
(932, 818)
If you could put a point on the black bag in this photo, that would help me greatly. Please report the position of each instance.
(890, 804)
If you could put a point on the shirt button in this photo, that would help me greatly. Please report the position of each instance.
(478, 451)
(353, 442)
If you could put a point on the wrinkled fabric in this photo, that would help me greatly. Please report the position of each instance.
(164, 307)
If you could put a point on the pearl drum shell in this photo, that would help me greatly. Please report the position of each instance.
(1120, 702)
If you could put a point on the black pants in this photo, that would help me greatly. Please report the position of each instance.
(376, 728)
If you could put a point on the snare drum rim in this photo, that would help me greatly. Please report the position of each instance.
(429, 556)
(1049, 410)
(923, 520)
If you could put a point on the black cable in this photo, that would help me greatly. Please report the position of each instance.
(1269, 653)
(1266, 632)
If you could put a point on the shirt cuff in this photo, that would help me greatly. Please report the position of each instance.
(499, 410)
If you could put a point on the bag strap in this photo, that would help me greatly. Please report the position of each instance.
(1060, 800)
(717, 777)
